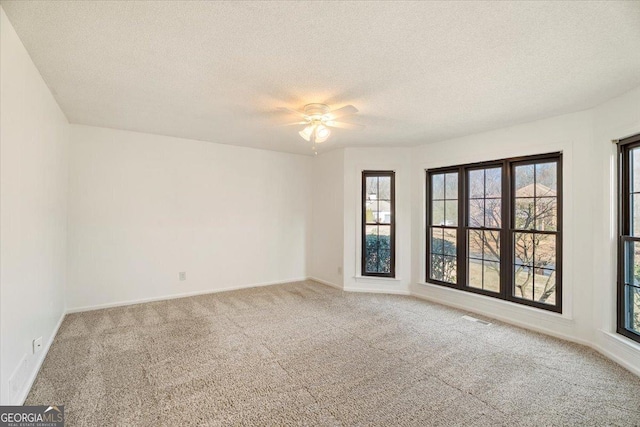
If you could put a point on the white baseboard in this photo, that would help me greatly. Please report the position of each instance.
(39, 362)
(324, 282)
(507, 319)
(630, 351)
(181, 295)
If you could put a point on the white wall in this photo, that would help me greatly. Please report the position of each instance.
(356, 161)
(145, 207)
(33, 199)
(326, 263)
(615, 119)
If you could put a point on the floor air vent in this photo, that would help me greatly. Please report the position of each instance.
(473, 319)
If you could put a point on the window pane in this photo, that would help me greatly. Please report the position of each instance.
(384, 235)
(635, 259)
(546, 213)
(437, 212)
(493, 182)
(371, 255)
(437, 269)
(443, 268)
(474, 272)
(632, 303)
(545, 291)
(632, 263)
(524, 181)
(525, 213)
(544, 246)
(377, 249)
(437, 238)
(384, 261)
(451, 186)
(485, 205)
(491, 245)
(383, 215)
(634, 209)
(475, 244)
(483, 259)
(546, 179)
(372, 237)
(491, 276)
(450, 269)
(450, 243)
(372, 230)
(484, 275)
(476, 184)
(384, 188)
(493, 213)
(523, 283)
(634, 171)
(534, 275)
(523, 248)
(443, 242)
(483, 244)
(476, 213)
(451, 212)
(372, 188)
(371, 262)
(370, 207)
(437, 186)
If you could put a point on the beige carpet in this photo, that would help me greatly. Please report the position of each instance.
(307, 354)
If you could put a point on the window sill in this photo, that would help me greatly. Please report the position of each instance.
(384, 279)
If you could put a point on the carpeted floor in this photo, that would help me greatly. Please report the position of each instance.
(307, 354)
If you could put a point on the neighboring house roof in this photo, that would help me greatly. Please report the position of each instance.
(538, 190)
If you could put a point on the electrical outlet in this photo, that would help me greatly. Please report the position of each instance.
(182, 275)
(37, 345)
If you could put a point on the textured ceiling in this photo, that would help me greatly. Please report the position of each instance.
(419, 72)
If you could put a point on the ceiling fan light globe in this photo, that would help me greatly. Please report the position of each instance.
(322, 132)
(306, 133)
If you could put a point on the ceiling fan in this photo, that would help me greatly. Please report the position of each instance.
(318, 118)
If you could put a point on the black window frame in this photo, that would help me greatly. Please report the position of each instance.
(392, 223)
(443, 170)
(624, 194)
(507, 228)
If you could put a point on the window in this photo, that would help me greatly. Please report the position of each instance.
(494, 228)
(483, 228)
(378, 223)
(629, 238)
(443, 229)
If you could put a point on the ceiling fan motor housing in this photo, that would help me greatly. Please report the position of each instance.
(316, 111)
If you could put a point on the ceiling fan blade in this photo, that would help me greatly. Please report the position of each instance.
(291, 111)
(343, 125)
(344, 111)
(294, 124)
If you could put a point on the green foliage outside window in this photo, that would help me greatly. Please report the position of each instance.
(443, 268)
(378, 253)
